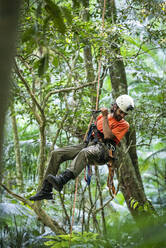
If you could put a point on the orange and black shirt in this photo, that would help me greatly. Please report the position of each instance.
(118, 128)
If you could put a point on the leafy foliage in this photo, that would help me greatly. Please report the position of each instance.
(17, 227)
(126, 236)
(54, 38)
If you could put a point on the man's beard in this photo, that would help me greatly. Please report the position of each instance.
(117, 117)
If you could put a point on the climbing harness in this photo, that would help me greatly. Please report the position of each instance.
(92, 131)
(94, 134)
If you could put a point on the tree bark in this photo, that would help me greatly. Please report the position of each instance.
(19, 173)
(41, 157)
(8, 25)
(128, 172)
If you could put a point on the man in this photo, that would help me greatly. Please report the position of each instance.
(111, 128)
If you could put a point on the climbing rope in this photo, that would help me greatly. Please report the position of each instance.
(110, 182)
(97, 102)
(99, 67)
(88, 178)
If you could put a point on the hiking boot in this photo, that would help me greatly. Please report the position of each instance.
(44, 193)
(59, 181)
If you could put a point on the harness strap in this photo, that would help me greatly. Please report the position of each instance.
(93, 130)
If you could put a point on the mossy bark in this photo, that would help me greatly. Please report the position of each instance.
(127, 161)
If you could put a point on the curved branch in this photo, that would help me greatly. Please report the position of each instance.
(43, 217)
(104, 205)
(62, 55)
(28, 89)
(153, 154)
(58, 131)
(66, 90)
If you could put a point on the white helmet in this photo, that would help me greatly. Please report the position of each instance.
(125, 103)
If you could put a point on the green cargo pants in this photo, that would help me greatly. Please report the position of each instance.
(80, 155)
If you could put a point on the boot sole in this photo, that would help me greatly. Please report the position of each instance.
(39, 198)
(51, 179)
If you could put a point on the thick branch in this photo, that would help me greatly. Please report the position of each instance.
(43, 217)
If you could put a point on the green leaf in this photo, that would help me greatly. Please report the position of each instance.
(107, 84)
(43, 64)
(27, 35)
(76, 4)
(55, 61)
(135, 205)
(56, 13)
(67, 14)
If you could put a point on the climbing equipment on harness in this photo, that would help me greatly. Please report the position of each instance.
(94, 134)
(93, 131)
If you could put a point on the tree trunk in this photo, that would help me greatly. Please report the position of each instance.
(128, 172)
(19, 174)
(8, 24)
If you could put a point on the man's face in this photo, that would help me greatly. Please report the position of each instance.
(119, 114)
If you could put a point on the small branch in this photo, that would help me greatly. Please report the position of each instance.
(100, 198)
(143, 144)
(127, 149)
(153, 154)
(58, 131)
(65, 211)
(65, 90)
(144, 52)
(18, 197)
(105, 204)
(153, 128)
(18, 72)
(61, 54)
